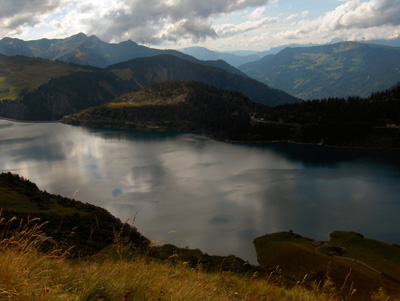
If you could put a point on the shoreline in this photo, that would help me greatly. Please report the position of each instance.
(29, 121)
(227, 140)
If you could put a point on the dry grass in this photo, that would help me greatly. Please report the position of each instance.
(28, 274)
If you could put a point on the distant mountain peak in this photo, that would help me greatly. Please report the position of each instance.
(80, 37)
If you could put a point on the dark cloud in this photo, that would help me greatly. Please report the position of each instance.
(196, 29)
(153, 21)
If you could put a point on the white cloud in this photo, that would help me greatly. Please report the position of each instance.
(232, 29)
(353, 14)
(292, 16)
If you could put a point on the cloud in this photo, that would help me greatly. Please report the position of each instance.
(226, 30)
(357, 14)
(292, 16)
(153, 21)
(149, 21)
(353, 14)
(196, 29)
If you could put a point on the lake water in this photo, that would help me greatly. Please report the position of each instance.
(192, 191)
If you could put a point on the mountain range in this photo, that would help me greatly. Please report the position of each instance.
(307, 71)
(49, 78)
(90, 50)
(238, 58)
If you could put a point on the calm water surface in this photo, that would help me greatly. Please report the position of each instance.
(192, 191)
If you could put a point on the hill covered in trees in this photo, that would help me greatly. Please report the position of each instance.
(336, 70)
(195, 107)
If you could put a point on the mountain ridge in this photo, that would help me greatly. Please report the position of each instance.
(90, 50)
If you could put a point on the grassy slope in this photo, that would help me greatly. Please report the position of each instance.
(32, 276)
(18, 74)
(373, 252)
(297, 256)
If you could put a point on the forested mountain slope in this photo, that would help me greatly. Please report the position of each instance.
(336, 70)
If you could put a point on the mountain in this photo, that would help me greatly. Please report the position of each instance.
(337, 70)
(277, 49)
(235, 58)
(386, 42)
(84, 50)
(145, 71)
(205, 54)
(39, 89)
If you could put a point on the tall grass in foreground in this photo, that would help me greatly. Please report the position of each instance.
(28, 274)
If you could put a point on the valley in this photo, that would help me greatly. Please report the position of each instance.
(207, 156)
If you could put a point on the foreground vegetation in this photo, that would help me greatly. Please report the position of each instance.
(28, 274)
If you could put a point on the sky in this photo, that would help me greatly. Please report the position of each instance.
(222, 25)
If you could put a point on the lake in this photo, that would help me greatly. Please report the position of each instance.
(192, 191)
